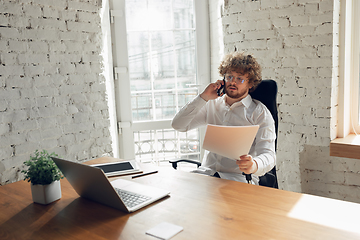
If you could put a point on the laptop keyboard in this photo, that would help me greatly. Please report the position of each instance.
(131, 199)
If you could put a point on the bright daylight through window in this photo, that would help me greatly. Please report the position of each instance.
(162, 73)
(347, 139)
(355, 76)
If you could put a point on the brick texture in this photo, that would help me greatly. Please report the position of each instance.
(52, 93)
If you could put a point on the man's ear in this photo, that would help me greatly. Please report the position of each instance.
(251, 85)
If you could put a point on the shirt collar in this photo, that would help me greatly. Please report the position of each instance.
(246, 101)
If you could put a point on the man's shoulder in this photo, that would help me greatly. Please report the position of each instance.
(259, 109)
(258, 105)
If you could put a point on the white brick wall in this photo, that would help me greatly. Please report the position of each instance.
(296, 43)
(52, 95)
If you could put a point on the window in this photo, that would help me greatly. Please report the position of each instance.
(347, 143)
(355, 68)
(158, 58)
(349, 69)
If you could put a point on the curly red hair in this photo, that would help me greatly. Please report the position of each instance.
(243, 63)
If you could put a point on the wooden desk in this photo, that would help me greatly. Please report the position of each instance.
(207, 208)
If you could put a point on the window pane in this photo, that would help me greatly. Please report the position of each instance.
(137, 16)
(162, 58)
(162, 65)
(186, 96)
(141, 107)
(189, 143)
(165, 104)
(159, 12)
(166, 144)
(183, 14)
(358, 78)
(138, 50)
(162, 61)
(185, 56)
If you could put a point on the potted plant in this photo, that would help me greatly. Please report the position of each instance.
(44, 176)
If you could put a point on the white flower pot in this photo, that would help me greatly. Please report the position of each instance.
(46, 194)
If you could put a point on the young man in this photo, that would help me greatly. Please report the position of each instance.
(242, 74)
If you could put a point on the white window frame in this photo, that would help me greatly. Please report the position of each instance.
(120, 101)
(348, 114)
(355, 67)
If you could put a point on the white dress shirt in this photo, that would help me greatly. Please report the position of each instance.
(246, 112)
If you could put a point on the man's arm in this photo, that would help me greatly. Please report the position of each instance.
(265, 144)
(265, 157)
(193, 114)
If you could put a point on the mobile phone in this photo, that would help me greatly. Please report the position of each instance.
(221, 90)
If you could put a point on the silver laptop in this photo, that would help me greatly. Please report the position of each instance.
(90, 182)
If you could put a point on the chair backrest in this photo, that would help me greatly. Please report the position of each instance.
(266, 93)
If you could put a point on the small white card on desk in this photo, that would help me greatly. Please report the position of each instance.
(164, 230)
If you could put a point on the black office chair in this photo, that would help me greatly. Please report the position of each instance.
(266, 92)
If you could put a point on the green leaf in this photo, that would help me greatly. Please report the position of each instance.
(42, 169)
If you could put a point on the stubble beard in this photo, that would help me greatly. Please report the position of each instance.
(235, 94)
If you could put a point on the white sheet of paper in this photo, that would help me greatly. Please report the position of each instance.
(229, 141)
(164, 230)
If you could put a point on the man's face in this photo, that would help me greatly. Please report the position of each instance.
(237, 85)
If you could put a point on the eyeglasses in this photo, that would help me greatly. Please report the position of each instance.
(230, 78)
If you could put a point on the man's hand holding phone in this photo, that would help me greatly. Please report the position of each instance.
(213, 90)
